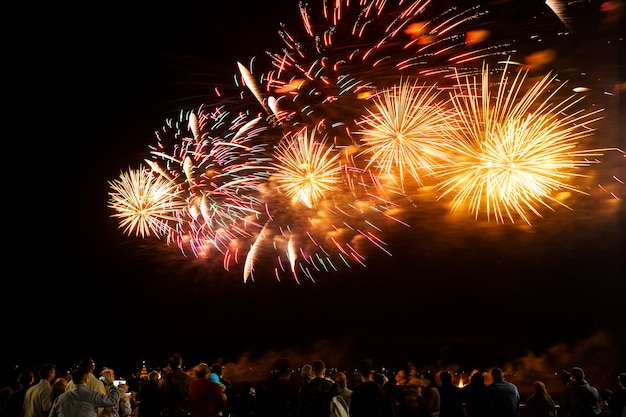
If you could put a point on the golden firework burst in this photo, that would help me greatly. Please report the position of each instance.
(144, 202)
(405, 134)
(516, 148)
(307, 169)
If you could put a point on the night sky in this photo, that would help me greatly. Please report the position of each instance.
(449, 290)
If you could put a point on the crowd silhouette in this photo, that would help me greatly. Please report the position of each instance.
(306, 390)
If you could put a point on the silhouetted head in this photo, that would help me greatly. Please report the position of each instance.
(401, 377)
(477, 378)
(565, 377)
(445, 377)
(80, 376)
(175, 361)
(47, 370)
(246, 387)
(58, 386)
(605, 394)
(318, 367)
(202, 370)
(365, 368)
(341, 380)
(88, 364)
(306, 372)
(154, 376)
(26, 378)
(497, 375)
(577, 373)
(216, 368)
(380, 378)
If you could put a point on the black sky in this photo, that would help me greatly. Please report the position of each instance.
(96, 84)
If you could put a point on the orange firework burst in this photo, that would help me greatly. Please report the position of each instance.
(515, 149)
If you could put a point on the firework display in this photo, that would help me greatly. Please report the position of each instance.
(367, 102)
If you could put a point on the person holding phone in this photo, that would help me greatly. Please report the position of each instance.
(80, 401)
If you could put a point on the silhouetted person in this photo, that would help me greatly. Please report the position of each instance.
(342, 385)
(94, 384)
(504, 395)
(306, 373)
(80, 401)
(540, 403)
(245, 402)
(368, 396)
(124, 407)
(15, 403)
(314, 398)
(605, 396)
(173, 389)
(229, 389)
(380, 378)
(428, 399)
(579, 398)
(58, 387)
(277, 396)
(402, 397)
(148, 398)
(451, 397)
(476, 397)
(206, 398)
(617, 403)
(38, 398)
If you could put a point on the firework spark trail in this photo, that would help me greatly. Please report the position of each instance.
(514, 154)
(334, 63)
(559, 10)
